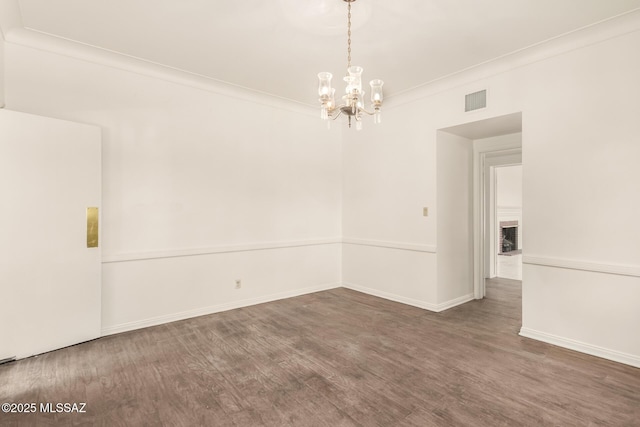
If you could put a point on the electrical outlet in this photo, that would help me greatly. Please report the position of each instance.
(238, 283)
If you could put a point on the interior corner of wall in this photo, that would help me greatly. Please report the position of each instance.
(10, 17)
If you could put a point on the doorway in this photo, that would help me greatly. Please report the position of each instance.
(496, 142)
(506, 226)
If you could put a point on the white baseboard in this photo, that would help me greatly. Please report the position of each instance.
(593, 350)
(159, 320)
(455, 302)
(410, 301)
(139, 324)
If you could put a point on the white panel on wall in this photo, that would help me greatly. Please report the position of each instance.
(509, 186)
(596, 313)
(153, 291)
(388, 180)
(406, 276)
(581, 178)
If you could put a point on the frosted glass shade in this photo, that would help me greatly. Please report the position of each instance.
(332, 101)
(376, 91)
(355, 79)
(324, 84)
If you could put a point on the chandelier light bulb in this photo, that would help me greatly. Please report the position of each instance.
(331, 103)
(324, 87)
(376, 91)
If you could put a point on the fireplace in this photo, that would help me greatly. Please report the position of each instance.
(508, 237)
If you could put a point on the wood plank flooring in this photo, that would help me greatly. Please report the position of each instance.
(333, 358)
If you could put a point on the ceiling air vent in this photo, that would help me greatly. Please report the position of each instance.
(475, 101)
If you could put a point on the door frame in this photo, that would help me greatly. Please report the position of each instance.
(487, 154)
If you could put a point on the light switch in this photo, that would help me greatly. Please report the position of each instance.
(425, 211)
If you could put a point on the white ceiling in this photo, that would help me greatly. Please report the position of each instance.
(278, 46)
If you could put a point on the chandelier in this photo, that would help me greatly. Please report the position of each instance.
(352, 102)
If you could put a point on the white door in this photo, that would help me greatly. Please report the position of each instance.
(49, 278)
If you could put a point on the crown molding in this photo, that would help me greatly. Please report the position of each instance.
(14, 32)
(10, 17)
(616, 26)
(92, 54)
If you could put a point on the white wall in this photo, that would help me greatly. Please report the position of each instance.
(578, 98)
(509, 186)
(580, 199)
(389, 247)
(455, 225)
(199, 188)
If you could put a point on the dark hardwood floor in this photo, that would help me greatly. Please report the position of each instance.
(333, 358)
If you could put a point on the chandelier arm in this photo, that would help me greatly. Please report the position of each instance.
(332, 117)
(338, 107)
(365, 111)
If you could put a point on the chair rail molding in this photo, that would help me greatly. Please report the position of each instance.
(590, 266)
(257, 246)
(417, 247)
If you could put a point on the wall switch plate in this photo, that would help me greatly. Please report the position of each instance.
(425, 211)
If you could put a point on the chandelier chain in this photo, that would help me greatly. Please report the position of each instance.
(348, 35)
